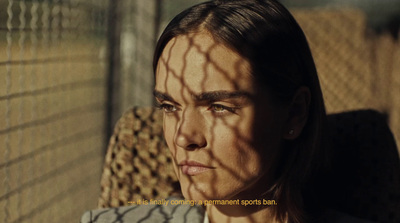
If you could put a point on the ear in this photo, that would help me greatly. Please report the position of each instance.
(297, 113)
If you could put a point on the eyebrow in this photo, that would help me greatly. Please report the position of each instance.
(162, 96)
(206, 96)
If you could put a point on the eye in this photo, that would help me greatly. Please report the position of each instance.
(218, 108)
(168, 108)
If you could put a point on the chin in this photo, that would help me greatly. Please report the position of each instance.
(195, 191)
(205, 191)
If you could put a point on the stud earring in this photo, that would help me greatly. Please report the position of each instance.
(291, 132)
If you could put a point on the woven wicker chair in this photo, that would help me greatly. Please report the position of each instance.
(365, 180)
(137, 163)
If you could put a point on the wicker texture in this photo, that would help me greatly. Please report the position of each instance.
(137, 163)
(387, 79)
(357, 68)
(341, 53)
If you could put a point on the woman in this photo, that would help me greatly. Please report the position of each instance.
(243, 110)
(243, 117)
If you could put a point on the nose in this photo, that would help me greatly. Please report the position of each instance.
(190, 133)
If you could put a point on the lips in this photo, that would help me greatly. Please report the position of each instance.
(193, 168)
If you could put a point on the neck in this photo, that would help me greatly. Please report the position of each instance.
(241, 213)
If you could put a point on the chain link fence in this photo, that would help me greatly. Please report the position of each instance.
(52, 108)
(60, 93)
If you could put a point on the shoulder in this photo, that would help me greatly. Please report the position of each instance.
(167, 212)
(333, 216)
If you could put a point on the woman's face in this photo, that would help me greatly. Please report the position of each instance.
(223, 133)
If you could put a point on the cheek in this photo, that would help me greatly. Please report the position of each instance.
(233, 146)
(268, 138)
(254, 147)
(248, 159)
(169, 129)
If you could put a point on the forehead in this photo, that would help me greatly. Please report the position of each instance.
(197, 63)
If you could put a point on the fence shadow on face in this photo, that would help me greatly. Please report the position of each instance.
(222, 129)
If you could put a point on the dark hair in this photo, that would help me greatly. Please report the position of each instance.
(266, 34)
